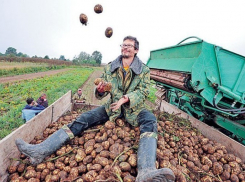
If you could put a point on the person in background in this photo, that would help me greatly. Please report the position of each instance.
(31, 109)
(78, 97)
(130, 81)
(43, 100)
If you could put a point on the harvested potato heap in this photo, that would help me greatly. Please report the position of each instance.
(109, 153)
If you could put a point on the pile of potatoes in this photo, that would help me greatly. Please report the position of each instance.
(109, 153)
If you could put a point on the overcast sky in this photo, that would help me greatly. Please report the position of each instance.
(52, 27)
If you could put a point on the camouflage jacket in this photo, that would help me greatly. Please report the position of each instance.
(78, 97)
(135, 85)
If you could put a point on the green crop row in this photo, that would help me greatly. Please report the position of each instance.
(14, 95)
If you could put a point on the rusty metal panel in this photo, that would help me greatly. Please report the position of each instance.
(213, 134)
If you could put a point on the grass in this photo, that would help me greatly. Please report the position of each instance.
(151, 97)
(14, 95)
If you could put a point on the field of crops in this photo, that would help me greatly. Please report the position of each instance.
(18, 68)
(14, 94)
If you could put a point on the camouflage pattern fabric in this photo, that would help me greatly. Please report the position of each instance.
(134, 85)
(78, 97)
(68, 131)
(148, 134)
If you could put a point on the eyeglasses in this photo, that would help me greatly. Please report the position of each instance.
(79, 90)
(126, 45)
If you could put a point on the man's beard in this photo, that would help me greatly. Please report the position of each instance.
(125, 56)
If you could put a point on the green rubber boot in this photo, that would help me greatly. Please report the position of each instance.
(147, 171)
(38, 152)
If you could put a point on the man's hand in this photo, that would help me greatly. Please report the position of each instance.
(116, 105)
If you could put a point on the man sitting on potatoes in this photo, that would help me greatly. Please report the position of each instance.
(127, 80)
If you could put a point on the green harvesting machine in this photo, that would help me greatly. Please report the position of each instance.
(204, 80)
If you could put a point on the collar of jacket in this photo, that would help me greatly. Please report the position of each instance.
(136, 65)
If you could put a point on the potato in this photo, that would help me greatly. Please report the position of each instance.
(120, 122)
(89, 149)
(80, 155)
(96, 167)
(48, 178)
(133, 160)
(30, 174)
(12, 168)
(98, 8)
(99, 149)
(61, 151)
(88, 136)
(40, 167)
(125, 166)
(93, 154)
(91, 175)
(123, 158)
(234, 178)
(106, 145)
(81, 140)
(206, 179)
(116, 170)
(129, 178)
(101, 139)
(21, 167)
(110, 125)
(225, 175)
(217, 168)
(50, 166)
(44, 173)
(82, 168)
(87, 159)
(235, 168)
(13, 176)
(74, 173)
(104, 153)
(55, 178)
(33, 180)
(190, 164)
(90, 142)
(72, 163)
(59, 165)
(103, 161)
(229, 157)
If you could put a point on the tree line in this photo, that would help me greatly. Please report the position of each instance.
(82, 59)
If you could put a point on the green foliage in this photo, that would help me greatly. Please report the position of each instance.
(83, 56)
(151, 96)
(20, 54)
(46, 57)
(87, 59)
(97, 56)
(11, 51)
(62, 57)
(13, 95)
